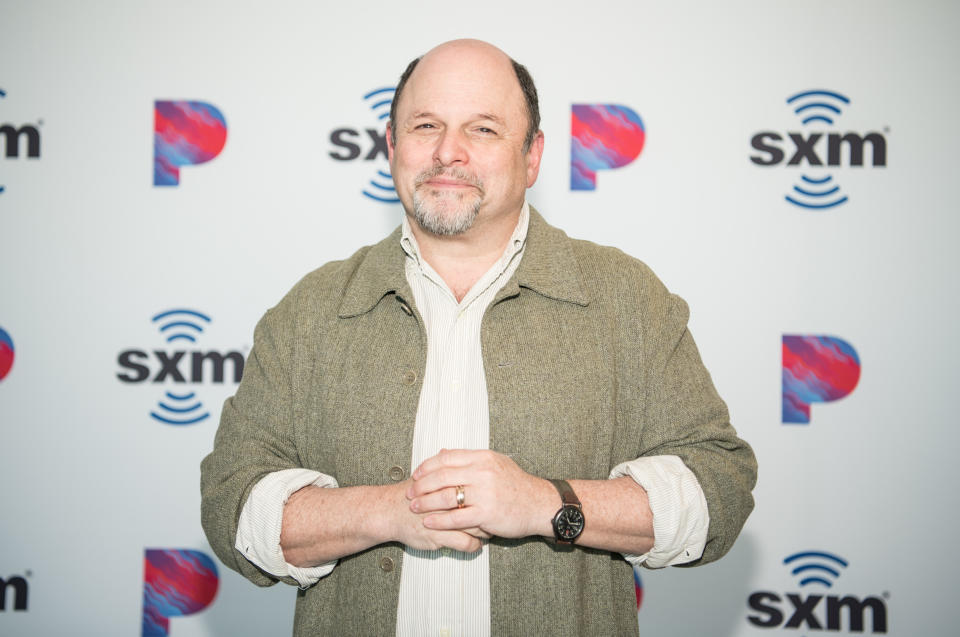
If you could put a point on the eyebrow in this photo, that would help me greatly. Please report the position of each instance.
(487, 116)
(491, 117)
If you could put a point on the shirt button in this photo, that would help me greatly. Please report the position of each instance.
(444, 632)
(386, 563)
(396, 473)
(410, 377)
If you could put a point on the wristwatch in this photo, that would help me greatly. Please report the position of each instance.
(568, 522)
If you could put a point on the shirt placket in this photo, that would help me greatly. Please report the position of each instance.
(457, 417)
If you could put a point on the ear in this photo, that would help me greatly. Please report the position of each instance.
(390, 143)
(534, 155)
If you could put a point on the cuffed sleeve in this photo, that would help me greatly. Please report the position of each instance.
(261, 520)
(684, 416)
(680, 515)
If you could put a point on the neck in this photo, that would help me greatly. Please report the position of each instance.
(462, 259)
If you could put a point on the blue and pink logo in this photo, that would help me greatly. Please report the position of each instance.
(6, 353)
(816, 369)
(603, 137)
(176, 582)
(184, 134)
(638, 587)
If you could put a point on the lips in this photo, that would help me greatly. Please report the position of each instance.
(446, 182)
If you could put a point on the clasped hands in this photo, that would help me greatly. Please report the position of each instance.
(499, 499)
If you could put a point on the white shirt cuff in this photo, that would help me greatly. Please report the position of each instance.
(680, 515)
(258, 531)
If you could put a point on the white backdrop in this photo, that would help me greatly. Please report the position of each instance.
(91, 250)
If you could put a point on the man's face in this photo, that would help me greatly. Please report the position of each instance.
(460, 129)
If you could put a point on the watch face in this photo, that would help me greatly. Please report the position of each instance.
(569, 523)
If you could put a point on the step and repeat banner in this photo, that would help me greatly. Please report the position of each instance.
(169, 170)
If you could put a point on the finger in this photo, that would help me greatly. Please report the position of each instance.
(441, 479)
(446, 458)
(441, 500)
(457, 519)
(478, 533)
(459, 541)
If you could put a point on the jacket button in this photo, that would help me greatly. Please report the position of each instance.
(406, 308)
(410, 377)
(396, 473)
(386, 564)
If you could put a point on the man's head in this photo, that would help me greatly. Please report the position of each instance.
(526, 85)
(464, 139)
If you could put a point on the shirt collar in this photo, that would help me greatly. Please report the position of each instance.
(410, 246)
(549, 267)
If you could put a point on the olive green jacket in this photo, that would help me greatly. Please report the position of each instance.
(588, 364)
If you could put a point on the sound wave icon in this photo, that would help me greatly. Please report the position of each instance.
(816, 193)
(180, 413)
(818, 105)
(823, 565)
(381, 186)
(379, 101)
(383, 182)
(183, 324)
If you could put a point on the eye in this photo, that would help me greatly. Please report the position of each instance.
(419, 126)
(486, 131)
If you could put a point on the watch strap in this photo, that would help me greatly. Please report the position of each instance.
(566, 492)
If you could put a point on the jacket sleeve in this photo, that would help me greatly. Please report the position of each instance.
(256, 436)
(684, 416)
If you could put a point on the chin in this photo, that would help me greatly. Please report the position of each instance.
(445, 217)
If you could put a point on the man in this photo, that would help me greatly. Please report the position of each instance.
(391, 447)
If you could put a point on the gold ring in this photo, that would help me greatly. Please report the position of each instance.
(460, 496)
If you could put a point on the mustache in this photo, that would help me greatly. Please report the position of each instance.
(453, 173)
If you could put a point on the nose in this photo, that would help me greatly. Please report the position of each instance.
(451, 149)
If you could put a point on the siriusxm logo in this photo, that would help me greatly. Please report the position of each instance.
(350, 146)
(816, 369)
(184, 134)
(19, 140)
(176, 582)
(6, 354)
(820, 570)
(20, 589)
(179, 405)
(816, 188)
(602, 137)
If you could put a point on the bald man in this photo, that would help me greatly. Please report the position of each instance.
(477, 425)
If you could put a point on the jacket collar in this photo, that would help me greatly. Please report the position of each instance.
(549, 267)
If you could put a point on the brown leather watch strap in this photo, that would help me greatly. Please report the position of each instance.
(566, 492)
